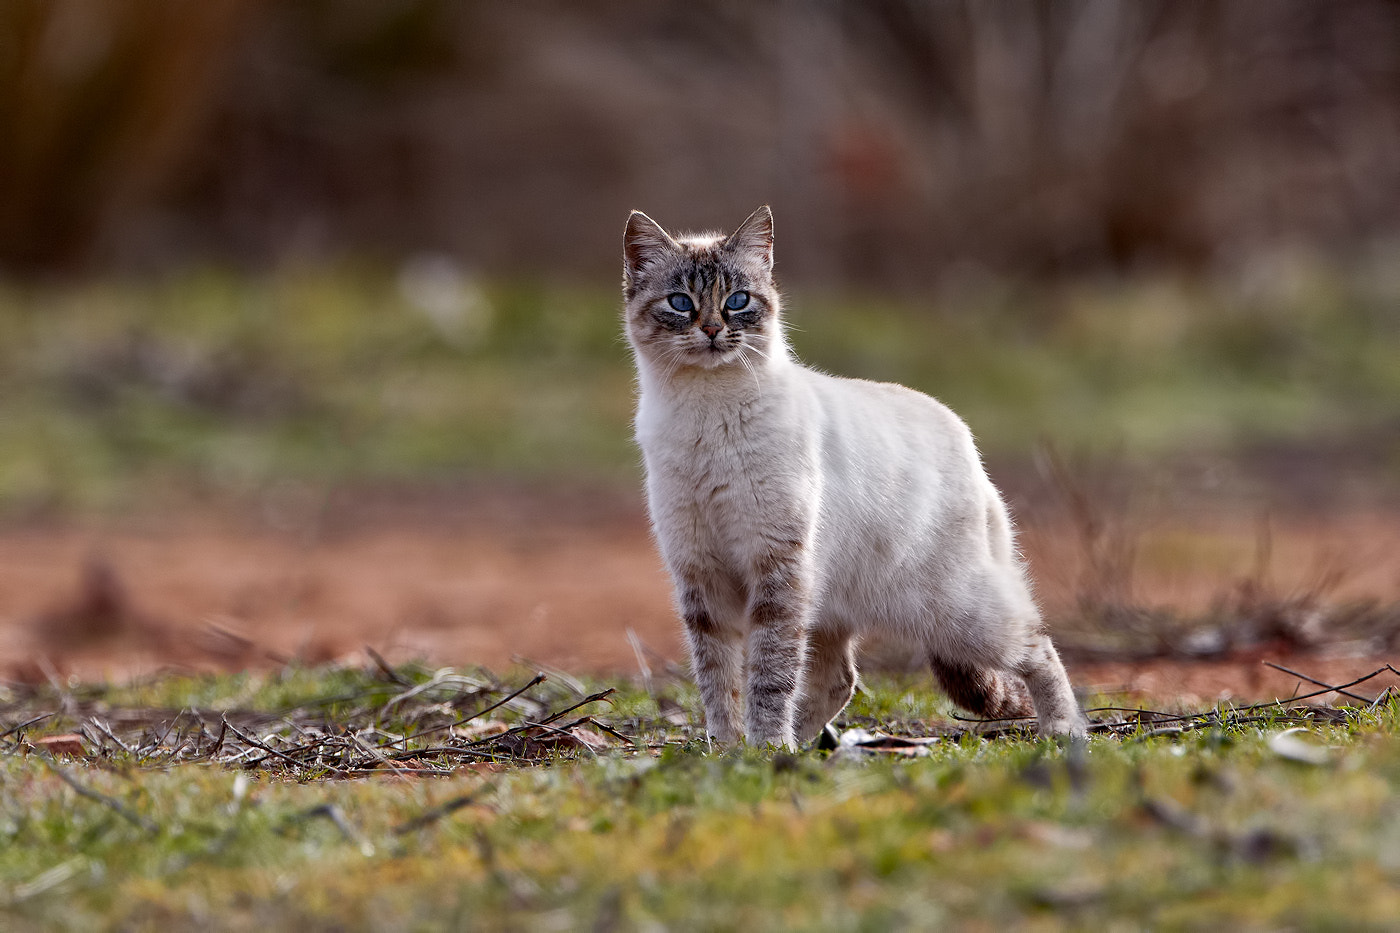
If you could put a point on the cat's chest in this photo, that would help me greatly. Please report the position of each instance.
(710, 458)
(717, 440)
(721, 474)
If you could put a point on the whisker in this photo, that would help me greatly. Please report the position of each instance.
(744, 349)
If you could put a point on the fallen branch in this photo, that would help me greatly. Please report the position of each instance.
(429, 817)
(114, 804)
(534, 682)
(331, 812)
(25, 725)
(274, 752)
(1319, 683)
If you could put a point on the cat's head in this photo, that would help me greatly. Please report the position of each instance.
(703, 301)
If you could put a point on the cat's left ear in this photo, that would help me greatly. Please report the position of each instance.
(755, 237)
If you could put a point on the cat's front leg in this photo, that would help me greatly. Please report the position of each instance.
(777, 648)
(717, 661)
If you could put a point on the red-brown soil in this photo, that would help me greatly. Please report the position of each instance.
(559, 577)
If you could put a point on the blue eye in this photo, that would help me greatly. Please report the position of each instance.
(681, 303)
(737, 301)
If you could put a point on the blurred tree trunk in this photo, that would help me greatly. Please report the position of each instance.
(99, 101)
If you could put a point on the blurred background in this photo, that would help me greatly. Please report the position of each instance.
(393, 226)
(902, 142)
(261, 252)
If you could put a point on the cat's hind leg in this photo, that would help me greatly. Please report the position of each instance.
(996, 660)
(1056, 708)
(990, 693)
(1033, 685)
(829, 683)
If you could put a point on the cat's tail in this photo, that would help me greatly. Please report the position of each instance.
(988, 693)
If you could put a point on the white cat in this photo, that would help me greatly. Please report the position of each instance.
(797, 511)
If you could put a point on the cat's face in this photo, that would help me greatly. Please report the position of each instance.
(701, 301)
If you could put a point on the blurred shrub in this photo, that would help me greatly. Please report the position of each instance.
(208, 381)
(115, 392)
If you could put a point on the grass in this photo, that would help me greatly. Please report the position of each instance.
(114, 392)
(226, 383)
(1215, 825)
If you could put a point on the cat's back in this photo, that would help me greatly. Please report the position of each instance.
(883, 425)
(904, 488)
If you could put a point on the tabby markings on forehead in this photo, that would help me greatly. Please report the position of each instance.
(699, 278)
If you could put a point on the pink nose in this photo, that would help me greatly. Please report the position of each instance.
(711, 329)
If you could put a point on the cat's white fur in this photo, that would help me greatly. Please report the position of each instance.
(841, 506)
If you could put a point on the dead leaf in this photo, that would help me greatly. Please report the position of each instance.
(479, 730)
(68, 744)
(863, 742)
(1290, 744)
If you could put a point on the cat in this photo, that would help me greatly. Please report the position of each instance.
(797, 511)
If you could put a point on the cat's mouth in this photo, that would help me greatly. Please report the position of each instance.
(714, 354)
(708, 353)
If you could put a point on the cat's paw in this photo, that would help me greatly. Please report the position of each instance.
(1075, 727)
(784, 742)
(718, 744)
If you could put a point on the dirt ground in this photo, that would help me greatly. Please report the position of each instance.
(568, 578)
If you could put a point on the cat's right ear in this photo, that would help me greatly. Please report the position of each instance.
(643, 244)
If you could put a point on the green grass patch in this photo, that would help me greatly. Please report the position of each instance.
(114, 391)
(1217, 825)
